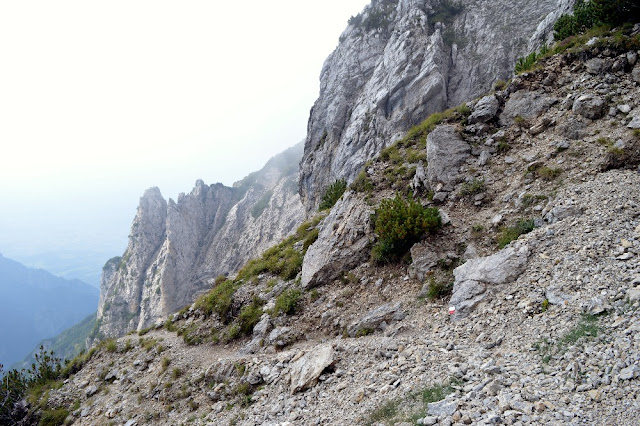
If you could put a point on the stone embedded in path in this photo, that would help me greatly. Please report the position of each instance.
(306, 370)
(376, 318)
(472, 280)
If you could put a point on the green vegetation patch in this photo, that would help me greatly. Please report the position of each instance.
(399, 223)
(512, 233)
(594, 13)
(261, 205)
(283, 259)
(286, 303)
(411, 407)
(586, 329)
(332, 194)
(218, 300)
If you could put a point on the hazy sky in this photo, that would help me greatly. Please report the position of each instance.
(100, 100)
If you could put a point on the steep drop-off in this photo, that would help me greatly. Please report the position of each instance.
(398, 62)
(36, 305)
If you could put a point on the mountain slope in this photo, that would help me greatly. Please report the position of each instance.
(539, 328)
(400, 61)
(177, 249)
(37, 305)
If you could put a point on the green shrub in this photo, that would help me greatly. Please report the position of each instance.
(593, 13)
(165, 364)
(400, 223)
(548, 173)
(249, 316)
(362, 183)
(53, 417)
(286, 303)
(438, 289)
(332, 194)
(512, 233)
(110, 345)
(218, 300)
(310, 239)
(176, 373)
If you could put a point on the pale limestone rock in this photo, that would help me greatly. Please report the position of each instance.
(485, 110)
(342, 242)
(177, 248)
(379, 83)
(589, 106)
(377, 318)
(304, 372)
(525, 104)
(446, 152)
(473, 279)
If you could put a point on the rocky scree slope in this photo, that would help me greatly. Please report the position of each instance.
(176, 249)
(544, 329)
(398, 62)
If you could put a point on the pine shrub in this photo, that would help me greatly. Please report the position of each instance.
(399, 223)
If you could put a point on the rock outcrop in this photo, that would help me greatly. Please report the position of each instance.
(343, 238)
(474, 278)
(176, 249)
(401, 60)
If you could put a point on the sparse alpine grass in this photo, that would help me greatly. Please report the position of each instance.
(512, 233)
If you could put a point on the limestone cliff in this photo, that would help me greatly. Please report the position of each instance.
(401, 60)
(176, 249)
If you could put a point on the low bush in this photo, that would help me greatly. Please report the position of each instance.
(439, 289)
(399, 223)
(249, 316)
(362, 183)
(593, 13)
(53, 417)
(472, 187)
(332, 194)
(286, 303)
(219, 300)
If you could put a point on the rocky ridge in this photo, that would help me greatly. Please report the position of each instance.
(401, 60)
(176, 249)
(542, 333)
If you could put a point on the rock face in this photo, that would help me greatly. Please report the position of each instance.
(400, 61)
(343, 237)
(446, 152)
(177, 248)
(473, 278)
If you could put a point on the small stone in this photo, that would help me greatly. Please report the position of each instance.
(509, 160)
(633, 295)
(589, 106)
(539, 406)
(595, 395)
(442, 408)
(430, 420)
(625, 256)
(626, 243)
(635, 74)
(91, 390)
(630, 372)
(634, 123)
(624, 108)
(440, 197)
